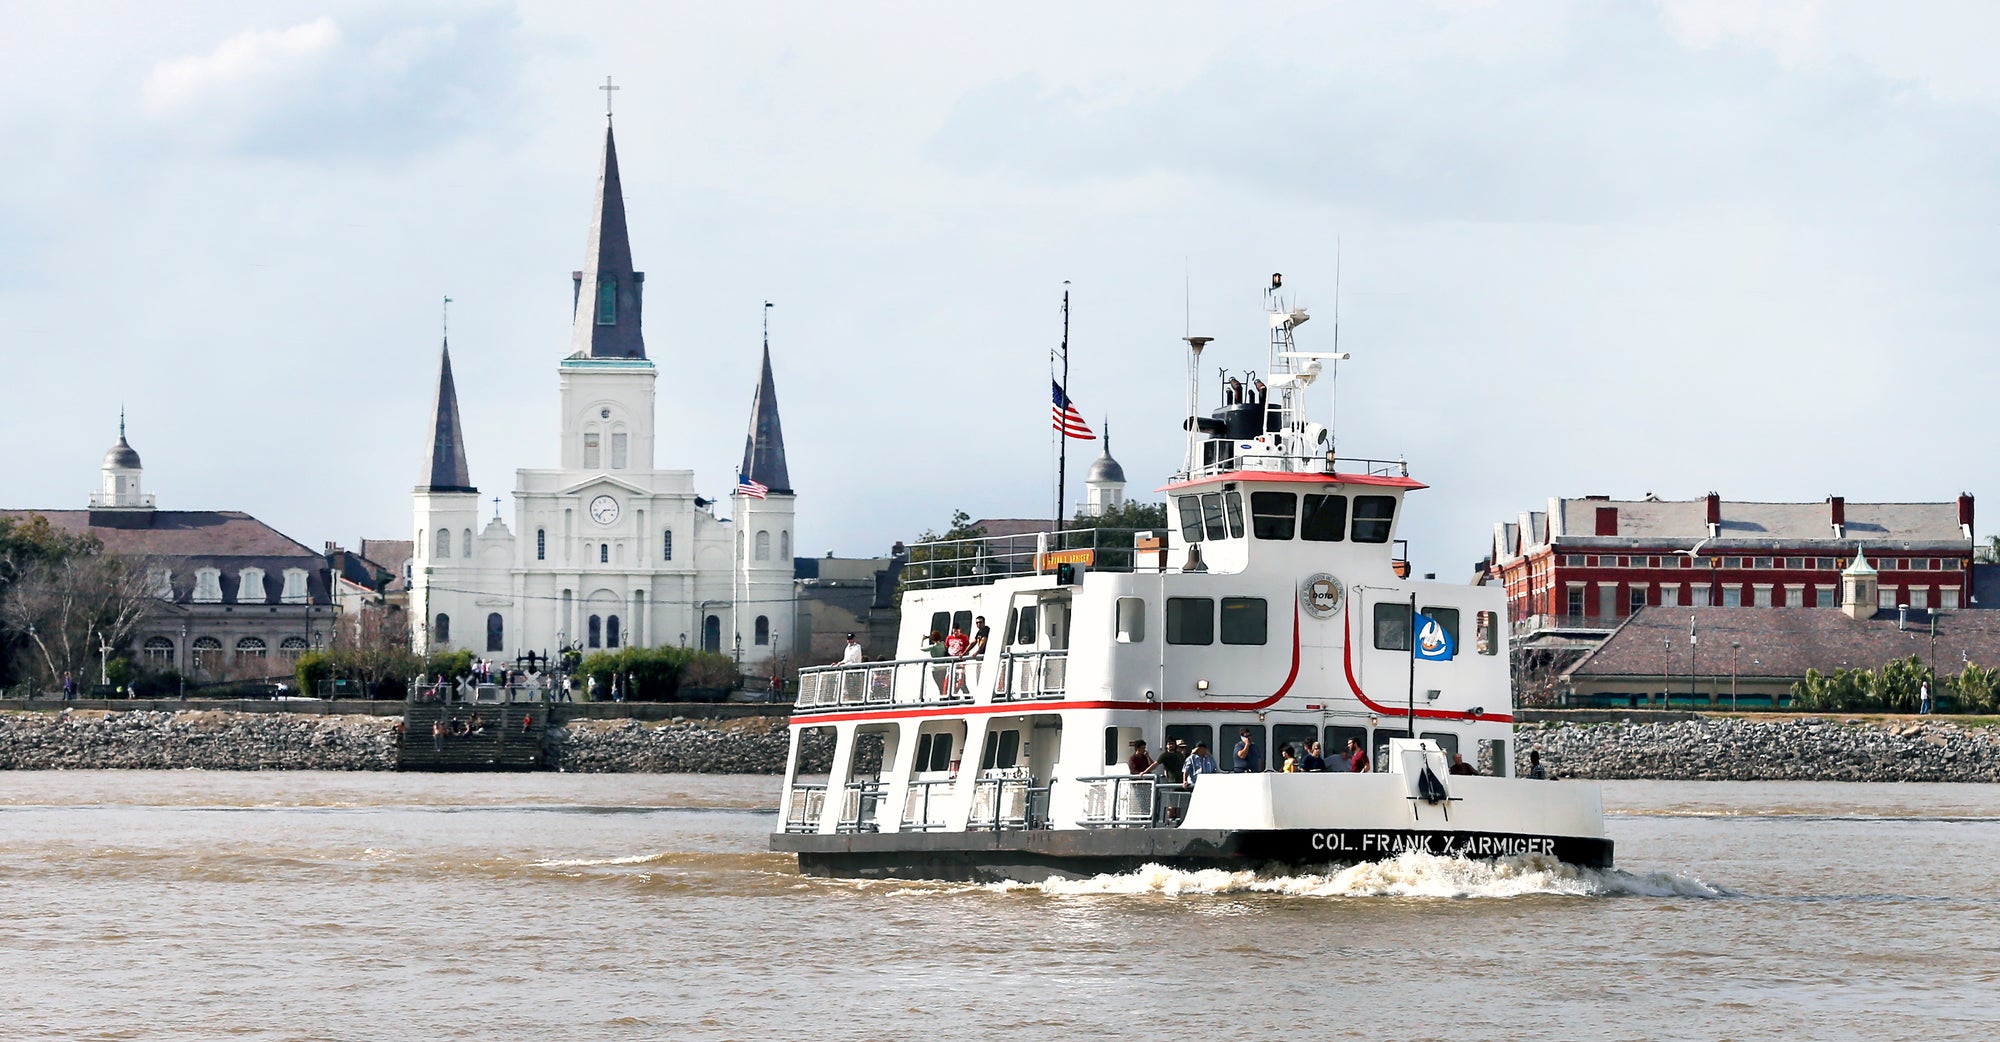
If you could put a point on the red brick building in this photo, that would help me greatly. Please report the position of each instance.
(1585, 563)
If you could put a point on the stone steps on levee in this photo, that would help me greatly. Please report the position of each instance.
(503, 743)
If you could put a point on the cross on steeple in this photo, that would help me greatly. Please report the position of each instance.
(496, 508)
(607, 89)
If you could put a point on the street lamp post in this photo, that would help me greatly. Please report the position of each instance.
(1666, 671)
(1691, 675)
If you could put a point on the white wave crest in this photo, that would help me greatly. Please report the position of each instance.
(1412, 874)
(598, 862)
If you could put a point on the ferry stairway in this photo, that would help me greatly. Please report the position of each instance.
(509, 737)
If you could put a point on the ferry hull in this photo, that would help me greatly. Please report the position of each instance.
(1036, 854)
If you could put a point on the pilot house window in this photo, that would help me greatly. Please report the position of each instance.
(1373, 517)
(1324, 519)
(1273, 514)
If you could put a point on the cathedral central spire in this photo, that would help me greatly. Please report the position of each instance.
(607, 293)
(764, 449)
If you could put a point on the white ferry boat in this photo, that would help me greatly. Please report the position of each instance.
(1274, 606)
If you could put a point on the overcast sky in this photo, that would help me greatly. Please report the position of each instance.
(1585, 247)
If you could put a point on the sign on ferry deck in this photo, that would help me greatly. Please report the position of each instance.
(1044, 562)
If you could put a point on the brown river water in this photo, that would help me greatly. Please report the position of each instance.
(192, 905)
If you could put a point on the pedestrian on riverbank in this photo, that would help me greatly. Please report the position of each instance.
(1535, 768)
(68, 687)
(1924, 698)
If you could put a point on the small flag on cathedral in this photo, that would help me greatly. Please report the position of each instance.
(753, 489)
(1067, 419)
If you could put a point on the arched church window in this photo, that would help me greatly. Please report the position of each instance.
(611, 632)
(617, 450)
(711, 633)
(596, 639)
(763, 546)
(465, 548)
(607, 301)
(784, 546)
(667, 545)
(443, 543)
(604, 553)
(541, 544)
(420, 542)
(592, 453)
(496, 632)
(763, 629)
(441, 631)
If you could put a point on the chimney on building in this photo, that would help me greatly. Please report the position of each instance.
(1836, 515)
(1607, 520)
(1965, 515)
(1714, 515)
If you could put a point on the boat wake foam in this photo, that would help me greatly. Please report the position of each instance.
(1412, 874)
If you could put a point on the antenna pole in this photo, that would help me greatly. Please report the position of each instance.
(1062, 438)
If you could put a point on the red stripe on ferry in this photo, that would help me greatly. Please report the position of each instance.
(1347, 664)
(1282, 476)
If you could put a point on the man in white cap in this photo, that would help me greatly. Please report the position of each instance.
(852, 654)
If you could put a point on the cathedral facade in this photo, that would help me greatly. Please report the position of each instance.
(608, 549)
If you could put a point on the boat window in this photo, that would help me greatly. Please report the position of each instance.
(1024, 624)
(939, 621)
(1335, 744)
(1232, 504)
(1324, 518)
(1190, 620)
(1193, 735)
(1244, 620)
(962, 620)
(1372, 518)
(1493, 758)
(1117, 746)
(1294, 735)
(933, 752)
(1447, 618)
(1486, 627)
(1272, 514)
(1131, 620)
(1446, 740)
(1231, 736)
(1378, 761)
(1003, 749)
(1191, 518)
(1392, 626)
(1211, 516)
(1055, 624)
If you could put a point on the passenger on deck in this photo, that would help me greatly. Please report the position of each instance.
(1357, 757)
(1535, 768)
(956, 642)
(1312, 762)
(1140, 761)
(851, 655)
(1198, 764)
(1173, 760)
(980, 633)
(1245, 753)
(1288, 762)
(1459, 766)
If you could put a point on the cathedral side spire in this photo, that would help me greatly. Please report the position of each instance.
(764, 449)
(607, 290)
(447, 471)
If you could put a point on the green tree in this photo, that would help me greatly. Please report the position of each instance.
(659, 674)
(1111, 532)
(948, 558)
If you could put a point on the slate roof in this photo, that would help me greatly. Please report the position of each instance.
(608, 255)
(184, 540)
(447, 471)
(391, 554)
(1785, 642)
(764, 447)
(1687, 520)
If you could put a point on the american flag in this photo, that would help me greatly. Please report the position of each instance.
(753, 489)
(1067, 419)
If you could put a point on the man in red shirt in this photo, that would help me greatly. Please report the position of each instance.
(1357, 757)
(1141, 761)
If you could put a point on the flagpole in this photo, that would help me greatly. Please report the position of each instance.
(1413, 664)
(1062, 436)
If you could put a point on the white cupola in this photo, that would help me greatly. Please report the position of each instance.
(121, 470)
(1105, 484)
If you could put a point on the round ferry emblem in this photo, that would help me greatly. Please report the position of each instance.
(1320, 595)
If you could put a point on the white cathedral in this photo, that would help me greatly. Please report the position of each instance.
(608, 550)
